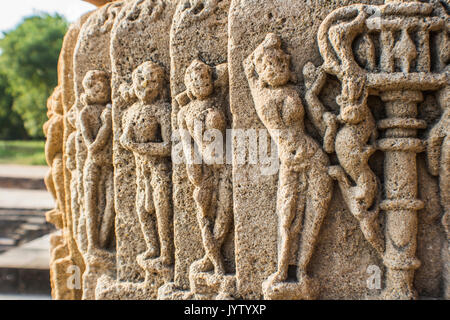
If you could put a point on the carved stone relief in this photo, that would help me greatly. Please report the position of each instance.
(305, 188)
(237, 149)
(399, 76)
(201, 25)
(140, 66)
(92, 69)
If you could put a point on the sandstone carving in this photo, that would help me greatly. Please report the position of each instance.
(202, 26)
(248, 149)
(53, 130)
(96, 129)
(94, 208)
(139, 50)
(305, 189)
(399, 82)
(147, 133)
(200, 116)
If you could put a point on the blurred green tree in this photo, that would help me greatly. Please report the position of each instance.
(29, 59)
(11, 125)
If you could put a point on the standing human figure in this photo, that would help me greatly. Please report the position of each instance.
(96, 128)
(147, 133)
(200, 116)
(305, 188)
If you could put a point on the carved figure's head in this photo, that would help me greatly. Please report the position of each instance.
(272, 64)
(97, 89)
(198, 80)
(148, 81)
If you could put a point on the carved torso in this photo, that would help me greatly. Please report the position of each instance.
(281, 111)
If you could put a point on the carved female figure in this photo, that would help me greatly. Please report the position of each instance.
(305, 188)
(147, 133)
(96, 128)
(211, 179)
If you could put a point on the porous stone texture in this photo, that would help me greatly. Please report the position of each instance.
(64, 250)
(94, 186)
(141, 118)
(248, 149)
(202, 26)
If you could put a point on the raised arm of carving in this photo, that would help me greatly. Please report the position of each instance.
(324, 121)
(249, 68)
(127, 93)
(105, 131)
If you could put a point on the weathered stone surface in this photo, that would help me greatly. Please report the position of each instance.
(201, 26)
(248, 149)
(92, 73)
(340, 240)
(141, 64)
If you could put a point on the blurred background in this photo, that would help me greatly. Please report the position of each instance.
(31, 34)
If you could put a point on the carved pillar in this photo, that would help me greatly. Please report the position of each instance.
(401, 204)
(404, 72)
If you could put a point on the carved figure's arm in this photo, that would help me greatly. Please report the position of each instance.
(165, 148)
(194, 171)
(126, 139)
(85, 127)
(325, 122)
(249, 68)
(104, 132)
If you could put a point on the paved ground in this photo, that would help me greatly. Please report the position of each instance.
(32, 255)
(25, 199)
(17, 171)
(24, 266)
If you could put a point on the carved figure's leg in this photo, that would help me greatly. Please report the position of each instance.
(148, 225)
(107, 223)
(91, 178)
(74, 203)
(203, 199)
(319, 194)
(287, 210)
(161, 184)
(224, 213)
(353, 157)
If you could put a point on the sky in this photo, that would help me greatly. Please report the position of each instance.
(12, 11)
